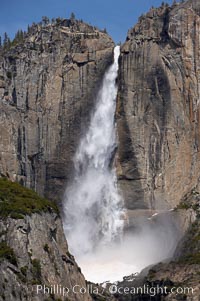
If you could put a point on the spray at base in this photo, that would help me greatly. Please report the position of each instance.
(150, 243)
(93, 208)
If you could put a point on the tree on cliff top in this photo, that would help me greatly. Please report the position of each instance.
(6, 41)
(45, 20)
(19, 37)
(72, 17)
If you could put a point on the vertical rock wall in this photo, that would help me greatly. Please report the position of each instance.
(158, 107)
(47, 86)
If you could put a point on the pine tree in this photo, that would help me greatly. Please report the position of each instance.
(58, 20)
(45, 20)
(6, 41)
(72, 17)
(19, 37)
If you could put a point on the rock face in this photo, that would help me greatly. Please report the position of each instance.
(158, 119)
(158, 108)
(43, 260)
(50, 79)
(33, 250)
(179, 275)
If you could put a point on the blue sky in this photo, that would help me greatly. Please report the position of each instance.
(117, 16)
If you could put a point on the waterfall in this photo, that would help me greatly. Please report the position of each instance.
(93, 209)
(93, 213)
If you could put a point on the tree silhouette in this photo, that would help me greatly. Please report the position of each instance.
(19, 37)
(45, 20)
(6, 41)
(72, 17)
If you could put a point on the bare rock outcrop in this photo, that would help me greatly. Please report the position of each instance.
(158, 120)
(47, 87)
(35, 263)
(158, 108)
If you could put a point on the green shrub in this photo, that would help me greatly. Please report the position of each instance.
(46, 248)
(151, 273)
(17, 201)
(24, 270)
(16, 215)
(36, 271)
(7, 253)
(191, 258)
(184, 205)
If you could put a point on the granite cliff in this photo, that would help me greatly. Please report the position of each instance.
(158, 108)
(50, 79)
(33, 250)
(158, 121)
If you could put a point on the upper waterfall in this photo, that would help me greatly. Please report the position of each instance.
(92, 205)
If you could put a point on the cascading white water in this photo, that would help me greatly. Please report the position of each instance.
(93, 209)
(92, 205)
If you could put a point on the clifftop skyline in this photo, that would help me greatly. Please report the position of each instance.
(117, 17)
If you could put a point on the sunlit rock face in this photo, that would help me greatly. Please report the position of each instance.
(158, 120)
(50, 78)
(158, 108)
(43, 260)
(34, 254)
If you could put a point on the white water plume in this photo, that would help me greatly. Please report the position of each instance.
(92, 205)
(93, 209)
(149, 243)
